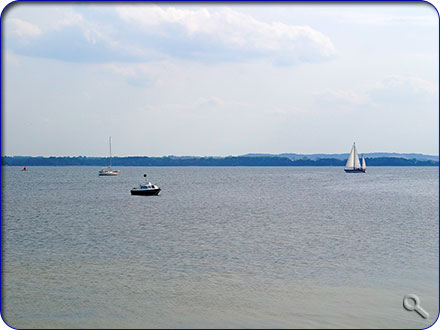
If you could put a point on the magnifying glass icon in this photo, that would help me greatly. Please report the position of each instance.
(412, 303)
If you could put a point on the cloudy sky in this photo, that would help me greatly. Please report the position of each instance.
(219, 79)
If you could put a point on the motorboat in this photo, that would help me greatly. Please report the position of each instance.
(146, 189)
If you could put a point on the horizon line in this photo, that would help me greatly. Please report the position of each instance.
(230, 155)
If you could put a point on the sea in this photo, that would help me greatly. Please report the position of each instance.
(220, 247)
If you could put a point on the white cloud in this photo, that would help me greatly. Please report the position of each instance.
(143, 33)
(200, 105)
(427, 20)
(140, 74)
(347, 100)
(11, 59)
(382, 18)
(414, 84)
(22, 29)
(404, 91)
(391, 90)
(209, 102)
(289, 112)
(68, 18)
(231, 30)
(345, 96)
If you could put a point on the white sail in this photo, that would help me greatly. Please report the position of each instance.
(350, 160)
(357, 163)
(353, 159)
(364, 164)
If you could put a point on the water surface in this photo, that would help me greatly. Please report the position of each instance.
(220, 247)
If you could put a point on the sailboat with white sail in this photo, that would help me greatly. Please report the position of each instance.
(109, 171)
(353, 164)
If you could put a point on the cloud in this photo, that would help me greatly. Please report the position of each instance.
(63, 34)
(22, 29)
(200, 106)
(11, 59)
(226, 34)
(383, 18)
(341, 99)
(209, 102)
(403, 90)
(143, 33)
(387, 20)
(68, 18)
(413, 84)
(391, 91)
(135, 74)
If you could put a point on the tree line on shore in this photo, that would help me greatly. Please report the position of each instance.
(202, 161)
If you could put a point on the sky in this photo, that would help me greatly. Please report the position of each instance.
(219, 79)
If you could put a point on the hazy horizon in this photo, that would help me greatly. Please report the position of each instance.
(219, 79)
(227, 155)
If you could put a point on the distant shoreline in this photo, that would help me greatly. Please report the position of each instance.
(206, 161)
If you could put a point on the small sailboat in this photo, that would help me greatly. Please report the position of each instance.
(353, 164)
(108, 171)
(146, 189)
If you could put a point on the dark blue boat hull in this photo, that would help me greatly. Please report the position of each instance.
(145, 192)
(354, 171)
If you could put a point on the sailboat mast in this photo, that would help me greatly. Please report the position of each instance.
(110, 143)
(354, 153)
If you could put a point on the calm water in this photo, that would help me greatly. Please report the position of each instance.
(220, 247)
